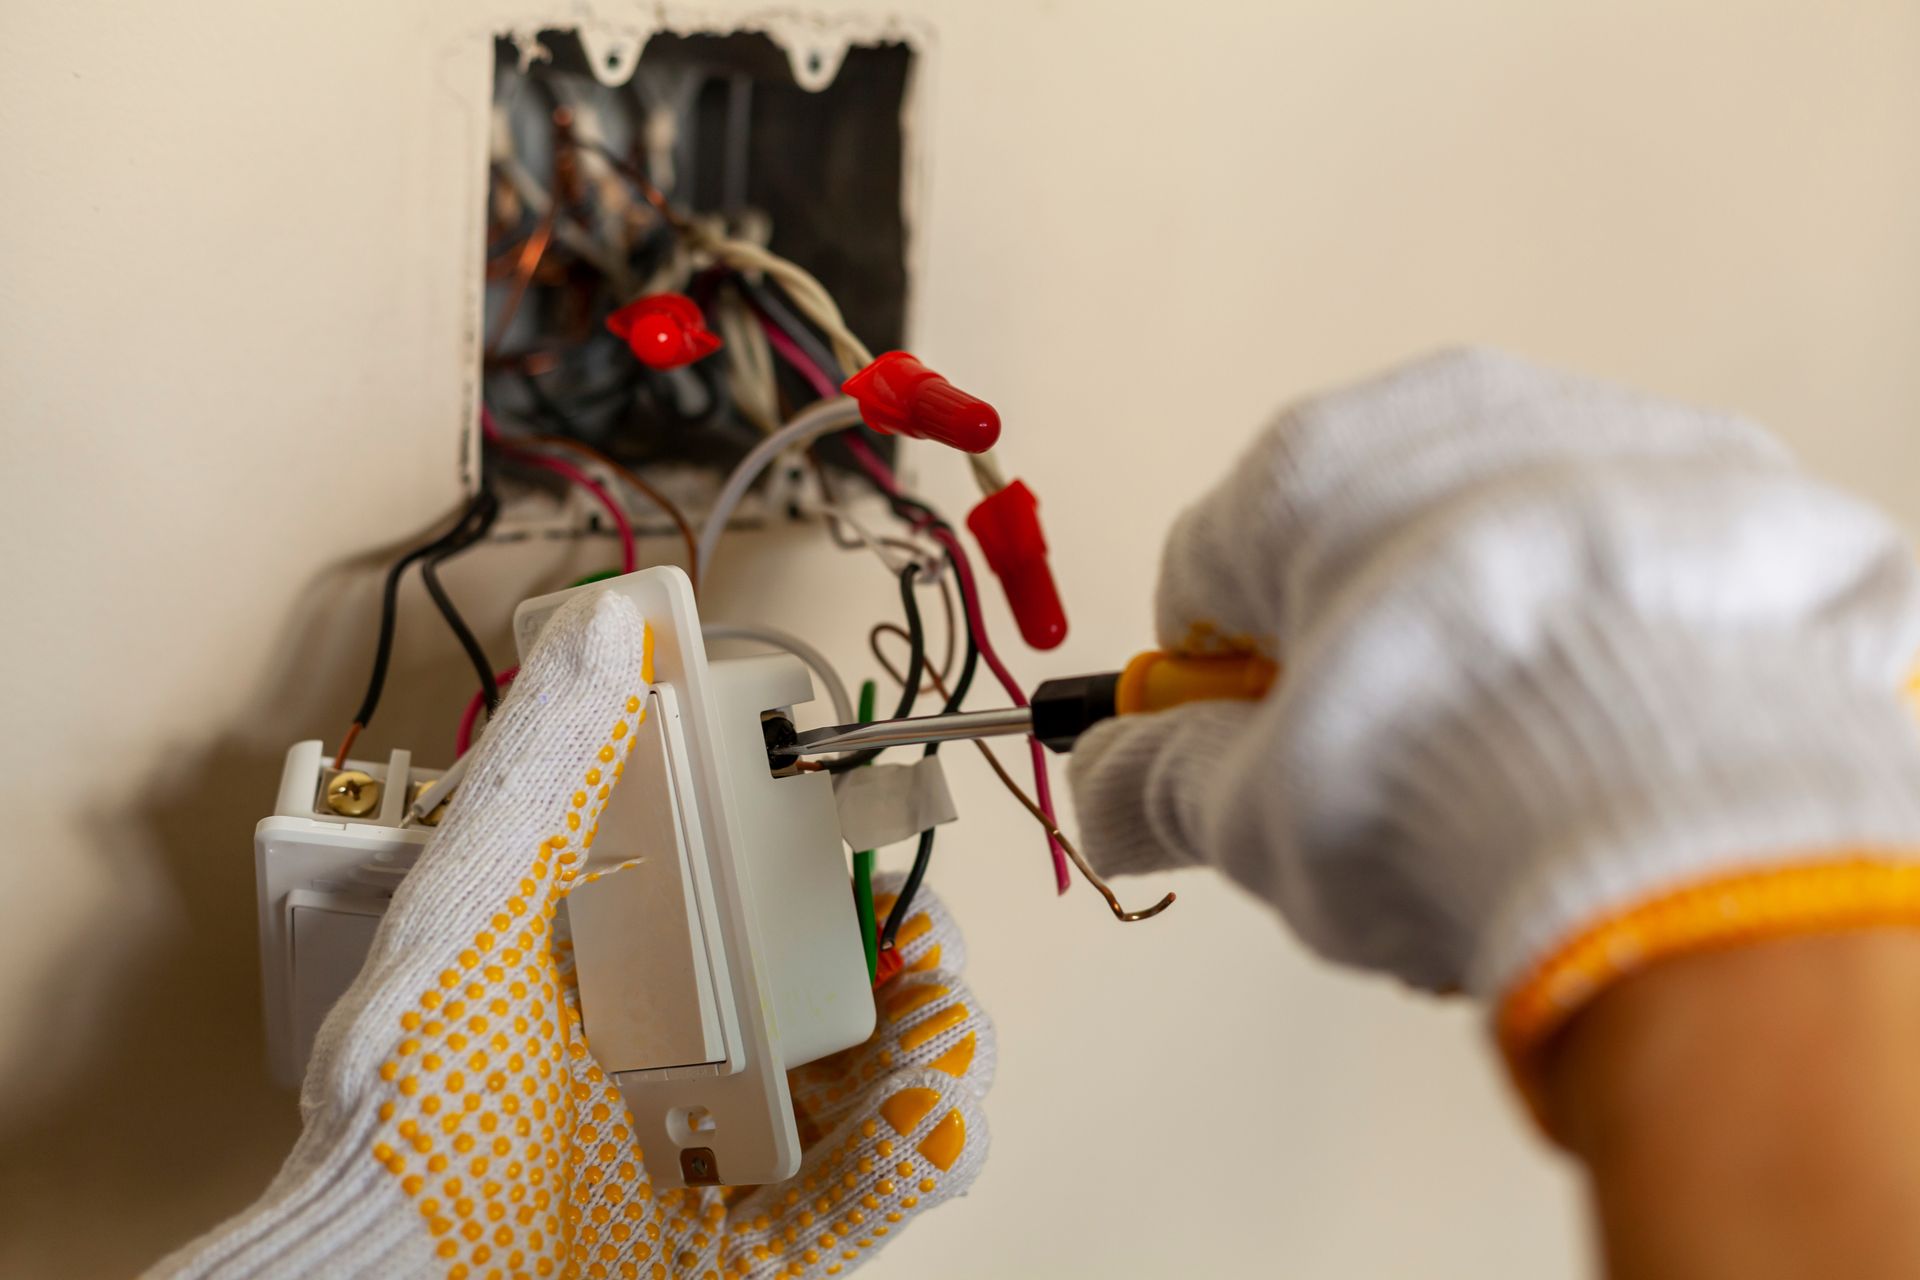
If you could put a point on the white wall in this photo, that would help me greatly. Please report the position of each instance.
(233, 257)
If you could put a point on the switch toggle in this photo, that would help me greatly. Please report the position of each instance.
(331, 935)
(647, 993)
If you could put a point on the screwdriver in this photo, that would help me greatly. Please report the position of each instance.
(1062, 709)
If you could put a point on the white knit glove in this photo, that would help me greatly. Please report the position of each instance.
(1572, 679)
(455, 1123)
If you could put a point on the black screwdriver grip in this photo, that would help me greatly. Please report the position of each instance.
(1065, 709)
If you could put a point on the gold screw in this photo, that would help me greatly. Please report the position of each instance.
(439, 811)
(353, 794)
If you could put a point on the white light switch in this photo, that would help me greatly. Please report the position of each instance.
(329, 946)
(646, 982)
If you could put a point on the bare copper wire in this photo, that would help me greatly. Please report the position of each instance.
(568, 187)
(1120, 913)
(531, 252)
(934, 678)
(652, 194)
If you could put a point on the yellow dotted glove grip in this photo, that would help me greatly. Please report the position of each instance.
(518, 1154)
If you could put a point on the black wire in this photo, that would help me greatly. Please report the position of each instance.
(429, 574)
(766, 301)
(916, 667)
(389, 602)
(923, 855)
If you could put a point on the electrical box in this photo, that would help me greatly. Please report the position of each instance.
(799, 140)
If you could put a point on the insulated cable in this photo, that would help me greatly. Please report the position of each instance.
(806, 292)
(931, 560)
(767, 302)
(923, 854)
(830, 415)
(628, 558)
(463, 736)
(883, 478)
(790, 351)
(627, 476)
(810, 424)
(755, 393)
(916, 667)
(430, 576)
(894, 629)
(1052, 828)
(816, 661)
(383, 644)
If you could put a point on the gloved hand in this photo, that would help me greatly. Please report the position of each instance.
(1573, 679)
(456, 1125)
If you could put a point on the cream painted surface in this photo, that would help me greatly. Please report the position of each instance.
(231, 301)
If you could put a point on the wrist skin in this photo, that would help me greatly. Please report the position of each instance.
(1751, 1111)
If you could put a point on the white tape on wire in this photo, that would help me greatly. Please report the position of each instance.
(883, 804)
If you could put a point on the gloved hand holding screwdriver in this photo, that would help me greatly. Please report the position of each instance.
(1586, 705)
(1592, 707)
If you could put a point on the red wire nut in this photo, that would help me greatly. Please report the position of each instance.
(665, 330)
(898, 394)
(1007, 526)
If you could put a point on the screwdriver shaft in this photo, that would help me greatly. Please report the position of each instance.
(900, 733)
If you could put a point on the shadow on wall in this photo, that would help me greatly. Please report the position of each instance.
(167, 1121)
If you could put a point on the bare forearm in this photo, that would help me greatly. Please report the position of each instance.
(1753, 1112)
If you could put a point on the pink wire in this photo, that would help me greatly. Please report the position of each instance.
(871, 463)
(970, 597)
(463, 738)
(790, 351)
(628, 559)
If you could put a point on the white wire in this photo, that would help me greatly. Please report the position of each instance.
(749, 363)
(819, 419)
(836, 690)
(929, 560)
(442, 787)
(813, 301)
(808, 294)
(987, 473)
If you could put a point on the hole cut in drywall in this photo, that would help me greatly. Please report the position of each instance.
(801, 145)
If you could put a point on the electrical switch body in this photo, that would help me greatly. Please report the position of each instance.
(715, 943)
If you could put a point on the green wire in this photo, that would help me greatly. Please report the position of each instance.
(863, 867)
(601, 576)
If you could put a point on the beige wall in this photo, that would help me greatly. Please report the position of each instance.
(232, 291)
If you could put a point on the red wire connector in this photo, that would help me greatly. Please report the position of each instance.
(899, 395)
(1007, 526)
(665, 330)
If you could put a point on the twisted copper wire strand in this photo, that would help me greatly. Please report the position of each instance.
(1006, 779)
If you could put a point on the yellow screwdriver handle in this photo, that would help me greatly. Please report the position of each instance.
(1156, 680)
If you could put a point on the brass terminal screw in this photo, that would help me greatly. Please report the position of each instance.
(439, 811)
(353, 794)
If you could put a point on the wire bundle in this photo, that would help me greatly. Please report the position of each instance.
(473, 525)
(768, 307)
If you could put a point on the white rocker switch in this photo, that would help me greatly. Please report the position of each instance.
(647, 995)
